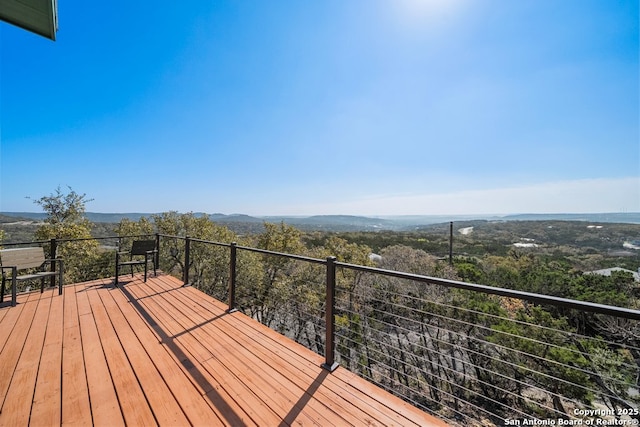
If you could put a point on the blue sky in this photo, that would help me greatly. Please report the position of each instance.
(367, 107)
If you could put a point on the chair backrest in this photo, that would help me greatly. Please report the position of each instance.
(22, 258)
(141, 247)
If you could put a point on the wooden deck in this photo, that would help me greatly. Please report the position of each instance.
(157, 353)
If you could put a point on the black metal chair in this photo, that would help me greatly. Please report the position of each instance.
(18, 259)
(139, 249)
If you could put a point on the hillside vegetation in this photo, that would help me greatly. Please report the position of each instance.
(392, 331)
(586, 245)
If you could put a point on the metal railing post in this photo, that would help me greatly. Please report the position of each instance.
(232, 277)
(329, 349)
(14, 286)
(187, 250)
(451, 243)
(53, 255)
(157, 260)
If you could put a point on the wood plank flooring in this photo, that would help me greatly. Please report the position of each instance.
(157, 353)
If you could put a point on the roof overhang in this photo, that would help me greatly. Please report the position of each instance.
(37, 16)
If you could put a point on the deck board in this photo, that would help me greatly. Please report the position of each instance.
(105, 407)
(135, 408)
(157, 353)
(248, 384)
(299, 372)
(47, 395)
(24, 378)
(161, 402)
(295, 368)
(76, 408)
(245, 365)
(290, 382)
(221, 392)
(187, 394)
(12, 350)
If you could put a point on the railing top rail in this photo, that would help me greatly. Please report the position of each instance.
(102, 238)
(282, 254)
(250, 249)
(626, 313)
(75, 239)
(210, 242)
(171, 236)
(35, 242)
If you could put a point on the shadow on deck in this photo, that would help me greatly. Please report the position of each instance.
(157, 353)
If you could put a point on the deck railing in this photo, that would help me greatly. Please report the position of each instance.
(468, 353)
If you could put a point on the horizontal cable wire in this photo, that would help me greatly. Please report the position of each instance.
(488, 315)
(511, 335)
(530, 370)
(441, 390)
(444, 392)
(388, 388)
(513, 365)
(471, 364)
(473, 379)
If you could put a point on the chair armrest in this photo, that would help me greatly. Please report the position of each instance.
(120, 254)
(14, 270)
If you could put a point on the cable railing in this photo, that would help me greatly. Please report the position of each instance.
(470, 354)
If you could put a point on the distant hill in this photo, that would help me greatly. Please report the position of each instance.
(346, 222)
(337, 222)
(92, 216)
(616, 217)
(592, 234)
(218, 217)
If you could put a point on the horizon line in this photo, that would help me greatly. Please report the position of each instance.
(346, 214)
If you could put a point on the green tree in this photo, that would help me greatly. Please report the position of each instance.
(64, 208)
(66, 222)
(208, 263)
(267, 295)
(469, 270)
(540, 352)
(129, 230)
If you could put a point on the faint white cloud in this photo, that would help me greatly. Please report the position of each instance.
(575, 196)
